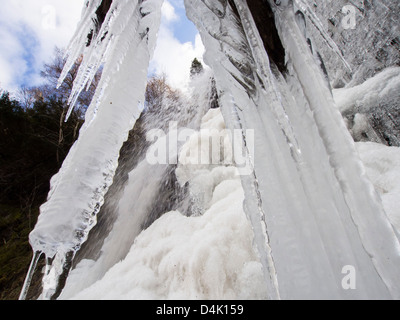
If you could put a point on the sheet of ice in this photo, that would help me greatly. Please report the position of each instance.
(366, 32)
(364, 206)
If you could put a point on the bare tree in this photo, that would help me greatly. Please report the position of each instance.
(158, 89)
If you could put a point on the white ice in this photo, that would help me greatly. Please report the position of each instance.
(209, 256)
(382, 164)
(364, 97)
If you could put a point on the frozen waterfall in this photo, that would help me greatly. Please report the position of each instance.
(311, 211)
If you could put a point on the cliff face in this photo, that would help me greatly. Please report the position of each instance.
(264, 19)
(367, 32)
(101, 14)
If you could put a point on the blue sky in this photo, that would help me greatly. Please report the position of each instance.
(183, 29)
(178, 44)
(30, 29)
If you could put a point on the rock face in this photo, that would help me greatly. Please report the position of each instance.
(264, 19)
(101, 14)
(368, 34)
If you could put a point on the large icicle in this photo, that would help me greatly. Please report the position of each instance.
(307, 194)
(375, 231)
(125, 42)
(306, 9)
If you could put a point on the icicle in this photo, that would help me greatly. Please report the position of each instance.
(77, 191)
(307, 10)
(365, 206)
(79, 40)
(93, 56)
(31, 271)
(265, 73)
(56, 268)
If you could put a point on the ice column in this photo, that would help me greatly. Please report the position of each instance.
(123, 46)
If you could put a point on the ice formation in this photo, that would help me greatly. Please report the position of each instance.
(125, 43)
(312, 209)
(371, 108)
(207, 256)
(311, 191)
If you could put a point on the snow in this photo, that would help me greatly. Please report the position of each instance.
(364, 97)
(382, 164)
(207, 256)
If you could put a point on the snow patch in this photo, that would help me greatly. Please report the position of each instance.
(368, 94)
(382, 165)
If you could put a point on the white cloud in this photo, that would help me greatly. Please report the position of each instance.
(168, 12)
(11, 64)
(30, 29)
(172, 57)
